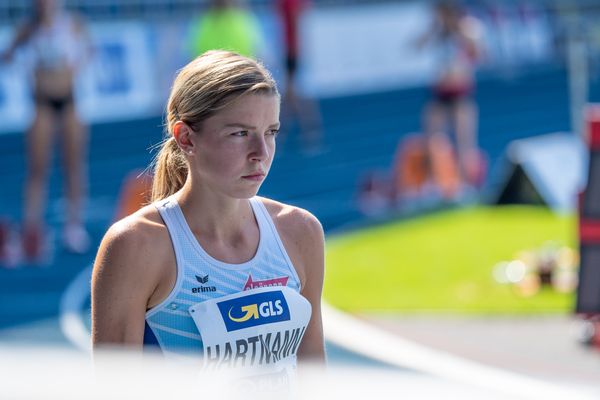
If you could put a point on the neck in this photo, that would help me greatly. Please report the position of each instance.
(46, 18)
(214, 215)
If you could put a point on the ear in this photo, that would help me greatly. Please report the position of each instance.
(184, 136)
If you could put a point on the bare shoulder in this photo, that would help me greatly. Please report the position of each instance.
(303, 238)
(293, 221)
(137, 228)
(78, 22)
(138, 240)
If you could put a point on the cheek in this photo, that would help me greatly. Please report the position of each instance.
(271, 153)
(221, 159)
(220, 163)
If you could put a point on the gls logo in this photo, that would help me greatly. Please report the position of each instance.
(265, 309)
(253, 310)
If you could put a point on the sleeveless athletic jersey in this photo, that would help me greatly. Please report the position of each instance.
(57, 46)
(230, 314)
(453, 57)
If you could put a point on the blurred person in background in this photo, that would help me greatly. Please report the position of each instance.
(428, 168)
(305, 111)
(207, 240)
(226, 25)
(457, 41)
(57, 43)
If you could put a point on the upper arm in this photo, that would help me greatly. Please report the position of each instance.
(120, 288)
(21, 37)
(311, 248)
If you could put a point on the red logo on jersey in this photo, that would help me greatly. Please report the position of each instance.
(250, 284)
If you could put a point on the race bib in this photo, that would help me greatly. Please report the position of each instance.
(258, 329)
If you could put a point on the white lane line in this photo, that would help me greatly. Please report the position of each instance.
(71, 309)
(363, 338)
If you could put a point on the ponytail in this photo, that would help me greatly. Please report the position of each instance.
(170, 170)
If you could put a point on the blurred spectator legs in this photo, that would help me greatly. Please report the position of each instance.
(307, 116)
(39, 145)
(75, 137)
(460, 117)
(36, 238)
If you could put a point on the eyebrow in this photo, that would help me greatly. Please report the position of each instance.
(249, 127)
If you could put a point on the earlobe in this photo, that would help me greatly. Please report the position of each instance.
(182, 134)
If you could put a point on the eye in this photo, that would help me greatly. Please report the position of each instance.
(240, 133)
(273, 132)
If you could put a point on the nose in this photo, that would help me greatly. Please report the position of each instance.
(260, 150)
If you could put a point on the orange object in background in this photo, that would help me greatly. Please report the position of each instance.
(411, 169)
(444, 166)
(420, 161)
(135, 193)
(425, 171)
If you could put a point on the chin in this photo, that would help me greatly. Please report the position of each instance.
(245, 194)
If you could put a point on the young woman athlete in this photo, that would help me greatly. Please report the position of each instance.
(209, 269)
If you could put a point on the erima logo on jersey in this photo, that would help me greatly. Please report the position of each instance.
(203, 289)
(253, 310)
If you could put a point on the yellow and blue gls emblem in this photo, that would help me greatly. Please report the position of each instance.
(253, 310)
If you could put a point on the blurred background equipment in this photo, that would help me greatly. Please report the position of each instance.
(551, 265)
(545, 170)
(588, 293)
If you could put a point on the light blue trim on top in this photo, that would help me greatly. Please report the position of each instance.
(164, 207)
(271, 224)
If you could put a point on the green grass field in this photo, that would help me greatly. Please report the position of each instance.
(442, 263)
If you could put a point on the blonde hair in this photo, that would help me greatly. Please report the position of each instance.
(202, 88)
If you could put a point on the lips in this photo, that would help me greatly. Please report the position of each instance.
(258, 176)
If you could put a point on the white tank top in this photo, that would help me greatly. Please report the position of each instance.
(57, 46)
(230, 315)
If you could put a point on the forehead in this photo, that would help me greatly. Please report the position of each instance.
(249, 108)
